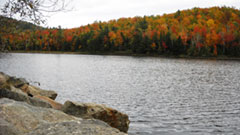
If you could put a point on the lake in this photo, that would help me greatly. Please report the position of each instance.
(160, 95)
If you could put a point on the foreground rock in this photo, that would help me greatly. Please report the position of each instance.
(19, 118)
(19, 89)
(23, 85)
(16, 94)
(17, 82)
(111, 116)
(34, 91)
(54, 104)
(3, 79)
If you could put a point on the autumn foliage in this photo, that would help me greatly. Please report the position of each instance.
(195, 32)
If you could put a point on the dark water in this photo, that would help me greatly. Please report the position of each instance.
(161, 96)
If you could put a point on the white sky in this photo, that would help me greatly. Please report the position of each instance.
(87, 11)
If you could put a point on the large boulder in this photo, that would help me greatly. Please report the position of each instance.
(3, 79)
(18, 89)
(53, 103)
(19, 118)
(111, 116)
(46, 93)
(33, 91)
(21, 83)
(18, 95)
(17, 82)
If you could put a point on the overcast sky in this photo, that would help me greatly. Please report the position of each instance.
(87, 11)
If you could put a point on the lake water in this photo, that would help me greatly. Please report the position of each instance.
(161, 96)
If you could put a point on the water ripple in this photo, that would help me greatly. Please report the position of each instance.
(161, 96)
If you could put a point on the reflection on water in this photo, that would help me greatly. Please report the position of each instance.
(161, 96)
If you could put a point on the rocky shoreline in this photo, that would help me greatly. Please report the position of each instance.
(28, 110)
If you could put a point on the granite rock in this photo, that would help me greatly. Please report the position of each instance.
(20, 118)
(109, 115)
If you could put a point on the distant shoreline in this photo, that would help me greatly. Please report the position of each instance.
(124, 53)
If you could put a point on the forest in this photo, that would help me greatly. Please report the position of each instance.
(203, 32)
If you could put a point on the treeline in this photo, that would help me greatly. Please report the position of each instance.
(196, 32)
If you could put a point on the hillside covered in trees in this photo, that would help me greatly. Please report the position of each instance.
(9, 26)
(196, 32)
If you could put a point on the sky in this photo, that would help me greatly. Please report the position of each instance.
(85, 12)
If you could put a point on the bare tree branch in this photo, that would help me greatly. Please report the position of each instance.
(32, 10)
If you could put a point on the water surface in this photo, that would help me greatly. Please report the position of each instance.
(161, 96)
